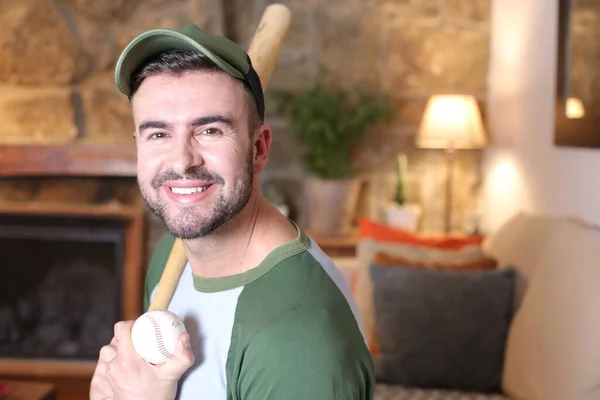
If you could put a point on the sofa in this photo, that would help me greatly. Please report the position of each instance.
(513, 316)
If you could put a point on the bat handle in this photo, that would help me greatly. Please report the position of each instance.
(170, 277)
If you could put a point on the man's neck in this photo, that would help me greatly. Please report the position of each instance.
(242, 243)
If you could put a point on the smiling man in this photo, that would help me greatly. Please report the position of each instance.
(268, 314)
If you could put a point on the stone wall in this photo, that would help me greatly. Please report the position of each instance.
(410, 49)
(57, 59)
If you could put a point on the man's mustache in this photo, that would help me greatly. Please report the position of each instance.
(196, 174)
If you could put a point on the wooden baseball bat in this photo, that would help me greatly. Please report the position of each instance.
(263, 51)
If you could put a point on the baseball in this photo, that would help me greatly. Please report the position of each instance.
(154, 335)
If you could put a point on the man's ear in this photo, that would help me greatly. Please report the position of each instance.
(261, 146)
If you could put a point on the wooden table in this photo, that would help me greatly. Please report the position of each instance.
(23, 390)
(337, 246)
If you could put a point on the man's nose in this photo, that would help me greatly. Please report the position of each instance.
(186, 154)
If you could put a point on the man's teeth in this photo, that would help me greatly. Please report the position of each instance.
(188, 190)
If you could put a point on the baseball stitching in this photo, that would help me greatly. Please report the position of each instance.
(159, 339)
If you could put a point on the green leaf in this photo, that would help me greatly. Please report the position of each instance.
(330, 123)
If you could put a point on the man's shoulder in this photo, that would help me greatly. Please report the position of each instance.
(308, 353)
(293, 280)
(298, 291)
(312, 328)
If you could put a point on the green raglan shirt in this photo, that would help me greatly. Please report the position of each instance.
(286, 329)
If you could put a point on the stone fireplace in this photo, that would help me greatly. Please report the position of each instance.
(73, 264)
(60, 285)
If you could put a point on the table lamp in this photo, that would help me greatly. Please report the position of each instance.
(451, 122)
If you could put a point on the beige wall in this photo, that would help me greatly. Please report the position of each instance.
(525, 170)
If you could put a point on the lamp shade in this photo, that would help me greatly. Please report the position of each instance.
(451, 122)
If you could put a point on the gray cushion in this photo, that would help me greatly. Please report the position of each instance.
(441, 329)
(395, 392)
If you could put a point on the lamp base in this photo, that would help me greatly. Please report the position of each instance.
(450, 154)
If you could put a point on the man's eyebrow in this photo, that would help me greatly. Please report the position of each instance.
(152, 124)
(211, 120)
(195, 122)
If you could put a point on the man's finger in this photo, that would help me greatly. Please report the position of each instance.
(123, 338)
(183, 349)
(100, 388)
(122, 329)
(107, 353)
(183, 357)
(100, 391)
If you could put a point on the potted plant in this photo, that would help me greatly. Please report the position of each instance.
(331, 123)
(400, 213)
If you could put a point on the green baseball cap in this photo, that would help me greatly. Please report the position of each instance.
(226, 54)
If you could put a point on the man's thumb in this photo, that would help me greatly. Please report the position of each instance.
(183, 353)
(181, 360)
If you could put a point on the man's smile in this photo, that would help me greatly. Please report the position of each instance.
(187, 191)
(179, 190)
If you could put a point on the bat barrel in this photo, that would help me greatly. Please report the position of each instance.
(268, 39)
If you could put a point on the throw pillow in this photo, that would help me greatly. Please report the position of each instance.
(385, 233)
(366, 250)
(480, 263)
(441, 329)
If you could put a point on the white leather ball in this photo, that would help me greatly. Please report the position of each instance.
(154, 335)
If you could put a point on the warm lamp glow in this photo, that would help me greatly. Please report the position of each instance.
(451, 122)
(574, 109)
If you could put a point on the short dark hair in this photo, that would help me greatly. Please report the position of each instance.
(178, 62)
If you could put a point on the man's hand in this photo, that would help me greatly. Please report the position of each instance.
(100, 388)
(121, 374)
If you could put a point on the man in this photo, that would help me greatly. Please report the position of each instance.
(268, 314)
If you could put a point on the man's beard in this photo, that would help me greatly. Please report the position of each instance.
(187, 224)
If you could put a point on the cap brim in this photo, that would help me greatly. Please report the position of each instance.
(156, 41)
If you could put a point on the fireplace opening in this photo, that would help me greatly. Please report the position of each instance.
(60, 284)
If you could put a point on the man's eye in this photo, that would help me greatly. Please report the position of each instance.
(157, 135)
(211, 131)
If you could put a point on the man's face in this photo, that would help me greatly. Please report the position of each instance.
(195, 154)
